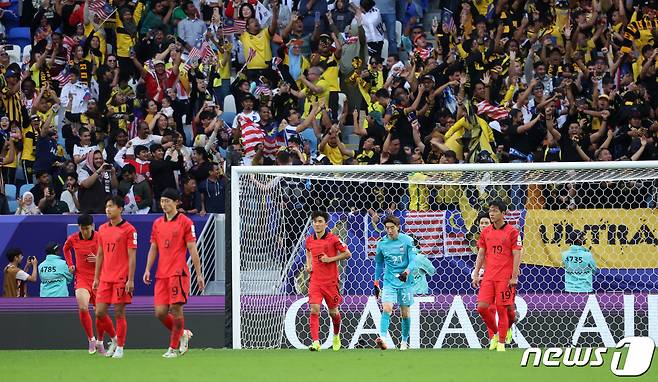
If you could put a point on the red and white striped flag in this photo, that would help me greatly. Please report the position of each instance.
(198, 54)
(133, 128)
(262, 90)
(231, 26)
(64, 77)
(69, 43)
(102, 9)
(493, 112)
(439, 232)
(251, 54)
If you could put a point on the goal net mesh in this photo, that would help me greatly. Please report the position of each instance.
(613, 211)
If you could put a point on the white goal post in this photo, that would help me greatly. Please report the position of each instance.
(611, 206)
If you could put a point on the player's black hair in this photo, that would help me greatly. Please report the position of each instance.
(392, 219)
(155, 147)
(171, 193)
(502, 207)
(85, 220)
(73, 175)
(13, 253)
(322, 214)
(83, 130)
(116, 200)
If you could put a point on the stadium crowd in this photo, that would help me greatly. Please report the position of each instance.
(133, 97)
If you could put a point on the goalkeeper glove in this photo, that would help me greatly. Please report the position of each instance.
(377, 289)
(403, 276)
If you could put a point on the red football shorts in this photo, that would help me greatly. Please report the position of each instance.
(172, 290)
(113, 293)
(86, 283)
(496, 292)
(330, 294)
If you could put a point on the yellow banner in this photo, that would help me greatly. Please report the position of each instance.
(617, 238)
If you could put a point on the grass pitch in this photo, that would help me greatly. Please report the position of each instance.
(295, 365)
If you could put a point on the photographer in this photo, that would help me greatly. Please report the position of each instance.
(97, 180)
(14, 284)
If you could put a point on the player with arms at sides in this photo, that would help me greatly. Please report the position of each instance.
(171, 237)
(84, 245)
(114, 279)
(395, 259)
(499, 246)
(483, 222)
(323, 252)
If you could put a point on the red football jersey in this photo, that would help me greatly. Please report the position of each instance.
(83, 249)
(330, 245)
(171, 237)
(115, 241)
(498, 245)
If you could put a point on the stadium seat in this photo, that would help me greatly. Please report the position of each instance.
(27, 52)
(19, 36)
(385, 50)
(228, 117)
(229, 104)
(14, 52)
(341, 100)
(13, 206)
(398, 32)
(10, 192)
(25, 188)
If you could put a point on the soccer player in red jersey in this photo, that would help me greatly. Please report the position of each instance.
(172, 236)
(499, 247)
(85, 245)
(323, 251)
(114, 279)
(483, 221)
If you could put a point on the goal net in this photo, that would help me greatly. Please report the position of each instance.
(608, 208)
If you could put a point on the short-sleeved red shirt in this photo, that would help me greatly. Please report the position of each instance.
(83, 249)
(171, 237)
(115, 241)
(498, 245)
(330, 245)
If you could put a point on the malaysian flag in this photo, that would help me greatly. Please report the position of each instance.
(251, 54)
(493, 112)
(448, 20)
(133, 128)
(440, 233)
(198, 53)
(69, 43)
(64, 77)
(102, 9)
(231, 26)
(262, 90)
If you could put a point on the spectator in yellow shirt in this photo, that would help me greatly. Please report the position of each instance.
(257, 41)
